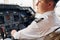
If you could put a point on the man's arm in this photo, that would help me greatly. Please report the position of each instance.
(27, 33)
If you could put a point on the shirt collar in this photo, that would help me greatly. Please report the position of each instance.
(48, 13)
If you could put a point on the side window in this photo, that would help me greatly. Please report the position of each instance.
(57, 10)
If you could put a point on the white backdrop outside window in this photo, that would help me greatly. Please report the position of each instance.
(22, 2)
(1, 1)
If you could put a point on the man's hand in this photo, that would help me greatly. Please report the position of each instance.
(12, 32)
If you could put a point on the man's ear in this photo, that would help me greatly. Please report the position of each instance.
(50, 4)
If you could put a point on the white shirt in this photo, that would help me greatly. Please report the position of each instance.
(37, 31)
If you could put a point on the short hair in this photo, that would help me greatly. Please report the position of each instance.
(55, 1)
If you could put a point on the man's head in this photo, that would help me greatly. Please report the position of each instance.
(46, 5)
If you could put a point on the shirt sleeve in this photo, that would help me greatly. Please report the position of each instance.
(28, 33)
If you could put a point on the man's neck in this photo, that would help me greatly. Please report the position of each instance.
(42, 12)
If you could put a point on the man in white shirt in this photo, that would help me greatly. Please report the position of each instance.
(45, 23)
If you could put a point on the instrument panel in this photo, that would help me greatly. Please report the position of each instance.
(15, 17)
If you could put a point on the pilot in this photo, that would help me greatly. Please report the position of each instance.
(46, 26)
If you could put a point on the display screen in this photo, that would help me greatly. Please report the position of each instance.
(16, 18)
(8, 17)
(1, 19)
